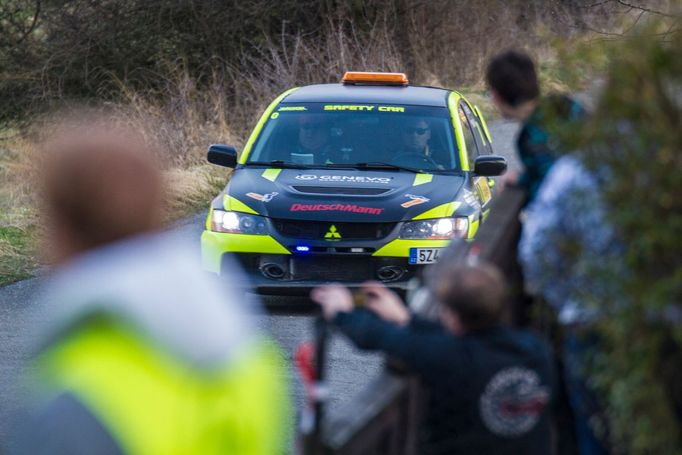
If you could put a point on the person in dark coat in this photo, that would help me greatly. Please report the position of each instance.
(491, 387)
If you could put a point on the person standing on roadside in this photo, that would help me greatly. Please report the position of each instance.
(565, 259)
(513, 82)
(144, 353)
(491, 388)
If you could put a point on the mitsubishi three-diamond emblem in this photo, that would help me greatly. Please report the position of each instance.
(332, 233)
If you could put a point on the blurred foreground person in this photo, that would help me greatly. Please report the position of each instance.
(601, 243)
(144, 354)
(558, 252)
(513, 81)
(490, 387)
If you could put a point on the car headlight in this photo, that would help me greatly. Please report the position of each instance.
(238, 223)
(438, 228)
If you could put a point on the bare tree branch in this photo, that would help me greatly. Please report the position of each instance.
(634, 24)
(648, 10)
(33, 24)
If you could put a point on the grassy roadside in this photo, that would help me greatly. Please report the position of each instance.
(17, 235)
(189, 190)
(17, 259)
(179, 126)
(190, 182)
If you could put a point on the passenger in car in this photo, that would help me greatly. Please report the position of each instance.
(415, 148)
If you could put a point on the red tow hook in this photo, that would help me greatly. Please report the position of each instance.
(305, 361)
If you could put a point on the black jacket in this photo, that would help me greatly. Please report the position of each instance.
(490, 391)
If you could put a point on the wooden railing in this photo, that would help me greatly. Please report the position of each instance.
(383, 418)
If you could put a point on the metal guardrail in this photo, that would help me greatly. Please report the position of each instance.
(384, 417)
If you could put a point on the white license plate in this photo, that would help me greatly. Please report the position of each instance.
(424, 255)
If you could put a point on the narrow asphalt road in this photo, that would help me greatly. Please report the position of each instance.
(348, 369)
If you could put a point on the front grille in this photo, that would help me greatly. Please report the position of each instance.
(340, 190)
(331, 268)
(317, 267)
(316, 230)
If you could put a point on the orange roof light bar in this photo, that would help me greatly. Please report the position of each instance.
(362, 77)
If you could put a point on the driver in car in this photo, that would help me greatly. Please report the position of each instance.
(313, 141)
(415, 149)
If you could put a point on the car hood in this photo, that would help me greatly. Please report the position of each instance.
(340, 195)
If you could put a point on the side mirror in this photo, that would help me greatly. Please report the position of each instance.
(490, 165)
(222, 155)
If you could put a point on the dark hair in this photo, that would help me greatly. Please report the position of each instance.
(475, 292)
(512, 75)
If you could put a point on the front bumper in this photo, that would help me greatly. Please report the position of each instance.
(297, 273)
(300, 287)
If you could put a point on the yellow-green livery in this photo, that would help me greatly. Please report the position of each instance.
(352, 181)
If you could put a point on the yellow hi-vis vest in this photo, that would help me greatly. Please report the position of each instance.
(154, 404)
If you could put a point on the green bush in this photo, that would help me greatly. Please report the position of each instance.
(635, 138)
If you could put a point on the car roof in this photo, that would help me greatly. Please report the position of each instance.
(381, 94)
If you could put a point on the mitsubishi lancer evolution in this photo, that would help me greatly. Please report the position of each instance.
(365, 179)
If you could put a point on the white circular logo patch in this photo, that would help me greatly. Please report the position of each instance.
(513, 401)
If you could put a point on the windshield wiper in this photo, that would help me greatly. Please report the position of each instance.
(278, 163)
(381, 165)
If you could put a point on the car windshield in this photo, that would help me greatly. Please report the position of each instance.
(415, 138)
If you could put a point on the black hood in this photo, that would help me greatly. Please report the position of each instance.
(341, 195)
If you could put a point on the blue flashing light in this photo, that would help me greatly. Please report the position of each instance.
(302, 249)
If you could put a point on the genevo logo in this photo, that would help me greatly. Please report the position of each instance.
(335, 208)
(344, 178)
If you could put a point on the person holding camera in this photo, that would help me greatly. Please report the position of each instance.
(491, 387)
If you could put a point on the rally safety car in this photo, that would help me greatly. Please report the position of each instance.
(365, 179)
